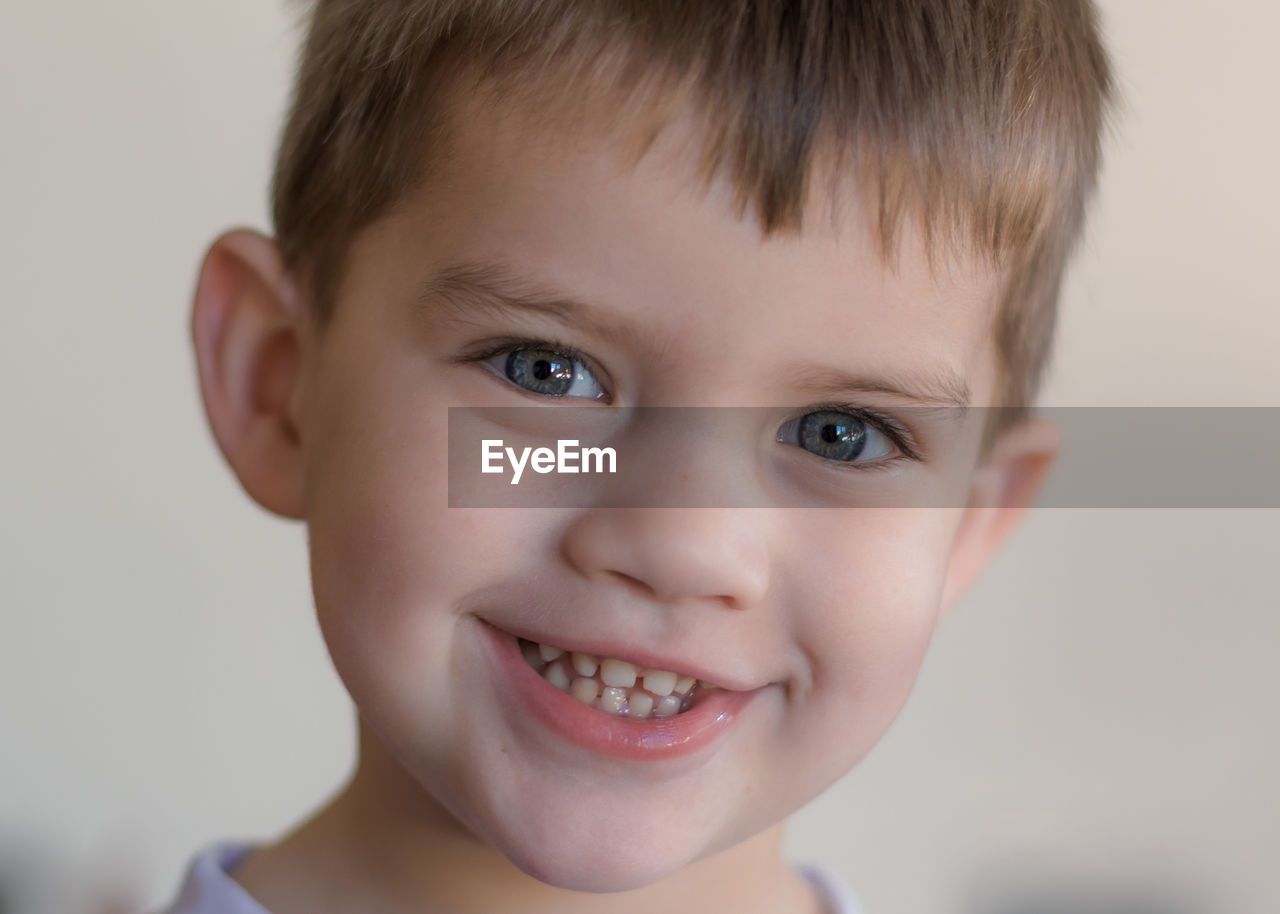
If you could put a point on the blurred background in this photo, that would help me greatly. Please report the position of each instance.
(1104, 701)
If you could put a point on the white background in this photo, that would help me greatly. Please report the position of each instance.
(1109, 689)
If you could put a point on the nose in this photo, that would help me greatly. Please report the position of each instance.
(674, 555)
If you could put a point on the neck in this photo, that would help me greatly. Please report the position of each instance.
(384, 844)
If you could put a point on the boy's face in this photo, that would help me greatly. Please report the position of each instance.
(822, 614)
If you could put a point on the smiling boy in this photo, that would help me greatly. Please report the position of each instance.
(858, 212)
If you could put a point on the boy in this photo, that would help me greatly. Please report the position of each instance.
(852, 217)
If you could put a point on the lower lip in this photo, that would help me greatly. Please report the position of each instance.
(647, 739)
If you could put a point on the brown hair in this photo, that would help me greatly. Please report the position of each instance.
(981, 119)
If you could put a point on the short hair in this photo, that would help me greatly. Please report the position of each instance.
(980, 119)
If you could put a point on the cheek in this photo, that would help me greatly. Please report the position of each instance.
(390, 561)
(868, 590)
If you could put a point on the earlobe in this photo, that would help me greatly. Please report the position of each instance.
(246, 326)
(1004, 488)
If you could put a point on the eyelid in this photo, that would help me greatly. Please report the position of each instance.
(515, 344)
(897, 433)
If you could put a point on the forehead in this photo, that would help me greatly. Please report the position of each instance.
(679, 260)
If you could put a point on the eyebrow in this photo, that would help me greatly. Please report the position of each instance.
(467, 286)
(940, 387)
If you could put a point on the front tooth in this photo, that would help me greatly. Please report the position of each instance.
(584, 664)
(684, 684)
(640, 704)
(584, 689)
(618, 673)
(549, 653)
(612, 700)
(659, 682)
(668, 705)
(556, 675)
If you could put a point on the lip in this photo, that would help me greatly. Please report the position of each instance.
(639, 658)
(650, 739)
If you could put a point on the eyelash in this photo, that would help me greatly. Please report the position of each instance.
(514, 344)
(894, 430)
(891, 428)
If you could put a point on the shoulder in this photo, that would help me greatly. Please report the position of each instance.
(835, 891)
(208, 887)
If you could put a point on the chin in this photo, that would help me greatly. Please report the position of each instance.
(618, 872)
(590, 860)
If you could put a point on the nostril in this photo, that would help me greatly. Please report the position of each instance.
(633, 583)
(727, 601)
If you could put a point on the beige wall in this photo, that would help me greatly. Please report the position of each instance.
(1111, 683)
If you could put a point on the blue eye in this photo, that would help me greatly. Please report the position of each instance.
(548, 372)
(838, 436)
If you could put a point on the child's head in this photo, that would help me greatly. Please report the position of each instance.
(831, 207)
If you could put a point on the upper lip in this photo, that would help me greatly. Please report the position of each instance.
(634, 654)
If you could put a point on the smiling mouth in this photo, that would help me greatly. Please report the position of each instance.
(613, 687)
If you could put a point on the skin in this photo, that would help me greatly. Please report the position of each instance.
(459, 802)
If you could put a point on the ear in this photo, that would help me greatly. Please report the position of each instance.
(1004, 488)
(246, 324)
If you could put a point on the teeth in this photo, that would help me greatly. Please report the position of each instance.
(613, 700)
(584, 664)
(660, 682)
(556, 675)
(549, 653)
(640, 704)
(667, 705)
(584, 690)
(618, 673)
(664, 693)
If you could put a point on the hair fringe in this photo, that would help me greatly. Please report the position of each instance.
(977, 121)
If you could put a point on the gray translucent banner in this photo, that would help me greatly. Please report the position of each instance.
(767, 457)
